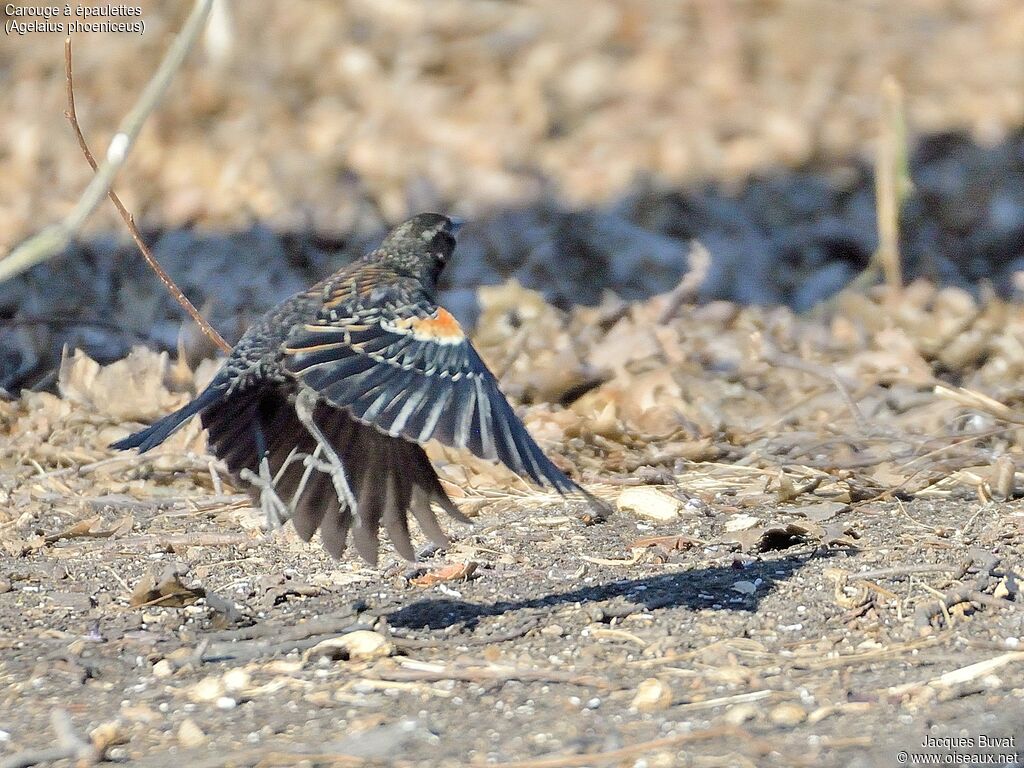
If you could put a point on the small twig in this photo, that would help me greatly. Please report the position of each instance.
(978, 401)
(69, 746)
(54, 238)
(985, 563)
(248, 650)
(721, 701)
(262, 756)
(262, 640)
(689, 286)
(960, 675)
(783, 360)
(514, 350)
(218, 487)
(888, 492)
(276, 631)
(624, 753)
(892, 182)
(413, 671)
(172, 541)
(963, 594)
(892, 188)
(72, 115)
(904, 570)
(414, 644)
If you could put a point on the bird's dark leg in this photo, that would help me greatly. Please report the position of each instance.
(309, 461)
(305, 404)
(270, 503)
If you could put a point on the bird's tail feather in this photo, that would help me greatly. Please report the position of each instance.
(156, 433)
(390, 477)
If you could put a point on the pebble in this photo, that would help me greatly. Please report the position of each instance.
(190, 734)
(649, 502)
(787, 714)
(652, 695)
(361, 644)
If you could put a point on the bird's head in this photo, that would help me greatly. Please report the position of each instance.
(419, 247)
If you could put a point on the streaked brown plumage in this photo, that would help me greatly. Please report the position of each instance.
(325, 401)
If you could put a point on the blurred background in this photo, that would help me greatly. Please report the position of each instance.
(588, 143)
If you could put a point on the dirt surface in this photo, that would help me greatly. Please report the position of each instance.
(815, 560)
(778, 658)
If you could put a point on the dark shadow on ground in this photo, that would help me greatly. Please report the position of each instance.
(787, 237)
(701, 588)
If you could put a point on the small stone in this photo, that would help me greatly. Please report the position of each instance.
(236, 680)
(744, 587)
(139, 713)
(787, 714)
(190, 734)
(552, 630)
(594, 612)
(740, 713)
(107, 735)
(740, 523)
(163, 668)
(652, 695)
(649, 502)
(180, 656)
(361, 644)
(208, 689)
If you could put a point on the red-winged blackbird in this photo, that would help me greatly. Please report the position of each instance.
(323, 403)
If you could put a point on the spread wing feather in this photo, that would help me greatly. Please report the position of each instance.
(417, 377)
(390, 476)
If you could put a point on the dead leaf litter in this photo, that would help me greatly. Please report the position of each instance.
(817, 533)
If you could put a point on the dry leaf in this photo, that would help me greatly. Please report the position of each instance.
(453, 572)
(163, 587)
(87, 528)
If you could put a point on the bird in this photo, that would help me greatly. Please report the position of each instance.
(322, 408)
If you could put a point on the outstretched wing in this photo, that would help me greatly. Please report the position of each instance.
(414, 374)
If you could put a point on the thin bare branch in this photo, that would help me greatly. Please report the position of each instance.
(72, 115)
(892, 182)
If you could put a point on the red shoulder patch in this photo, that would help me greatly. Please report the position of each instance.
(440, 327)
